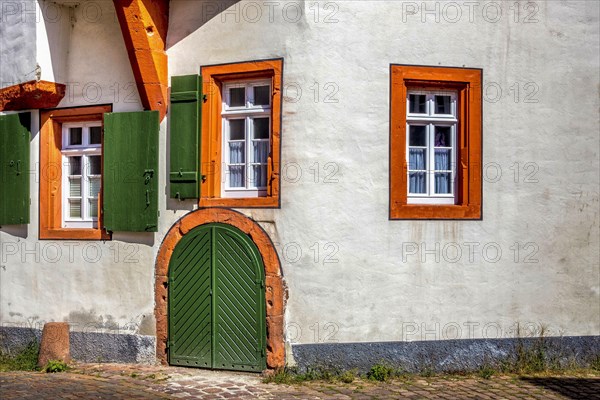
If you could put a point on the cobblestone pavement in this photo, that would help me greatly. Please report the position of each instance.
(118, 381)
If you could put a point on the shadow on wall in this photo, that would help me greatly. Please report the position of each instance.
(174, 204)
(57, 21)
(192, 15)
(146, 238)
(15, 230)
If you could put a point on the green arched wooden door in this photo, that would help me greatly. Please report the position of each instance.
(217, 301)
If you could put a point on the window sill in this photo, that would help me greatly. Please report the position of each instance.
(253, 202)
(75, 234)
(429, 211)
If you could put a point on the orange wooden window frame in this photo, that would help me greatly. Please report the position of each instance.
(467, 82)
(51, 173)
(213, 78)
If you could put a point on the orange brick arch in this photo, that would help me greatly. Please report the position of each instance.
(274, 287)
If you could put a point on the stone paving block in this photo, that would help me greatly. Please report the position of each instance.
(115, 381)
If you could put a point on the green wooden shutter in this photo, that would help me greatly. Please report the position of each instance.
(184, 117)
(14, 168)
(130, 195)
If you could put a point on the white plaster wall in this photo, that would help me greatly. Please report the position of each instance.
(373, 289)
(53, 32)
(376, 290)
(93, 285)
(17, 42)
(98, 65)
(34, 40)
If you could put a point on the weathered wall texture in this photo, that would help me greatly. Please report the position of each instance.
(353, 275)
(34, 40)
(96, 286)
(17, 42)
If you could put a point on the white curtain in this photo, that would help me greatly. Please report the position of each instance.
(416, 159)
(442, 183)
(261, 152)
(236, 172)
(442, 163)
(236, 176)
(236, 153)
(260, 175)
(442, 159)
(417, 180)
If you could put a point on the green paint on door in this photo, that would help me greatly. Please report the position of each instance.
(216, 301)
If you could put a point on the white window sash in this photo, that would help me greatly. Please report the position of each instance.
(430, 120)
(84, 150)
(248, 113)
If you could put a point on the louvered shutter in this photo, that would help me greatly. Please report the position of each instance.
(184, 117)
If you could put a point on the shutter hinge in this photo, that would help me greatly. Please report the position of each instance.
(262, 352)
(12, 163)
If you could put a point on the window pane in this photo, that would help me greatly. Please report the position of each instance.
(417, 159)
(237, 97)
(75, 135)
(75, 208)
(442, 183)
(236, 152)
(75, 187)
(262, 95)
(237, 129)
(442, 105)
(95, 135)
(261, 152)
(417, 183)
(443, 159)
(261, 128)
(259, 174)
(95, 167)
(443, 136)
(236, 176)
(75, 165)
(418, 136)
(94, 187)
(93, 208)
(417, 103)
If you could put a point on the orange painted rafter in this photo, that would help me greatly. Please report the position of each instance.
(31, 95)
(144, 24)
